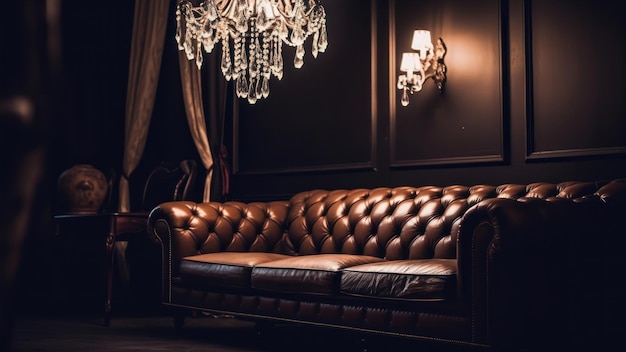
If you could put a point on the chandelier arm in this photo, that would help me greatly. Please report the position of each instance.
(228, 10)
(289, 19)
(198, 12)
(306, 13)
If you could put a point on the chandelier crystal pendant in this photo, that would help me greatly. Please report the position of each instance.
(251, 33)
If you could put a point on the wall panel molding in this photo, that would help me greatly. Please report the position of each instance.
(574, 93)
(465, 123)
(323, 118)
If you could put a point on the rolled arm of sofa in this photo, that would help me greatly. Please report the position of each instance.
(510, 255)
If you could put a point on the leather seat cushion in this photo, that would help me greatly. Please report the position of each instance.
(223, 269)
(310, 274)
(422, 279)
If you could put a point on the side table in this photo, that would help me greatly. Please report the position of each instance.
(114, 226)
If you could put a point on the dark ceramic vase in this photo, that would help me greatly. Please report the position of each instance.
(82, 189)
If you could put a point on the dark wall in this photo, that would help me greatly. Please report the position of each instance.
(533, 93)
(88, 126)
(89, 99)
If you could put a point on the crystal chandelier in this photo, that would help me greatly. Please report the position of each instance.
(251, 33)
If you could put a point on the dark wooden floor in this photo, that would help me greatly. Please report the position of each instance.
(156, 333)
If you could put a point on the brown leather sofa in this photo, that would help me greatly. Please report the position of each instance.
(482, 266)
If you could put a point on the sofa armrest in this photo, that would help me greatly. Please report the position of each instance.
(184, 228)
(512, 264)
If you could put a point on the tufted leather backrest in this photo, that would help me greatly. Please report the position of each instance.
(401, 222)
(188, 228)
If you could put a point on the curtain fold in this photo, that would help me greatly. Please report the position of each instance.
(192, 97)
(217, 98)
(149, 28)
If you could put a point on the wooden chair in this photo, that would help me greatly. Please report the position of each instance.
(168, 182)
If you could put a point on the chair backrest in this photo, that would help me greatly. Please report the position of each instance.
(169, 182)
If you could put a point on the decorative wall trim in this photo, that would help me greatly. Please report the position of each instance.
(488, 158)
(575, 153)
(532, 153)
(483, 159)
(369, 165)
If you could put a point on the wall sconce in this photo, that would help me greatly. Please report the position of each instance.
(426, 62)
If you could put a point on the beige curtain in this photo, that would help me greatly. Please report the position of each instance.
(207, 125)
(192, 96)
(217, 99)
(149, 27)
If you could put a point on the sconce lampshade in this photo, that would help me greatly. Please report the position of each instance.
(410, 62)
(421, 40)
